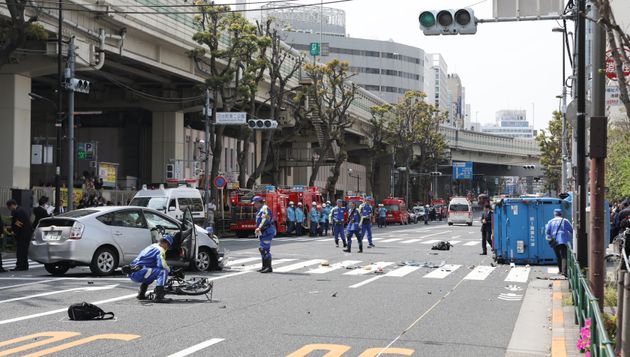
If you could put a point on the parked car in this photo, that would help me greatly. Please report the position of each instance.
(419, 211)
(105, 238)
(396, 210)
(460, 211)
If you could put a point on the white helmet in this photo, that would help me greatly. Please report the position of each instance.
(323, 205)
(299, 203)
(290, 203)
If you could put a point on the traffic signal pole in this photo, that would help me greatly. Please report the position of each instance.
(582, 244)
(69, 75)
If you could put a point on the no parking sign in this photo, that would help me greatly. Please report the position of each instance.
(220, 182)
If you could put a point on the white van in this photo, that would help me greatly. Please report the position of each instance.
(460, 211)
(172, 201)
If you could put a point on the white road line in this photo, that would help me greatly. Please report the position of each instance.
(325, 240)
(31, 283)
(258, 265)
(410, 241)
(198, 347)
(328, 269)
(518, 275)
(431, 241)
(402, 271)
(297, 266)
(391, 240)
(455, 237)
(470, 244)
(375, 239)
(232, 263)
(435, 234)
(89, 288)
(119, 298)
(479, 273)
(364, 282)
(443, 272)
(453, 242)
(369, 268)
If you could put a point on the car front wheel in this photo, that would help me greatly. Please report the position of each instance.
(202, 263)
(104, 262)
(56, 269)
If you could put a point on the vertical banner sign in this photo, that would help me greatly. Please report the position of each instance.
(108, 172)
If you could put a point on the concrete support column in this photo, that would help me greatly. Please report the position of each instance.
(167, 142)
(302, 151)
(15, 135)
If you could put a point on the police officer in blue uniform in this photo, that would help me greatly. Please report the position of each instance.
(354, 222)
(265, 231)
(299, 219)
(323, 220)
(290, 218)
(365, 211)
(149, 266)
(314, 220)
(336, 218)
(560, 229)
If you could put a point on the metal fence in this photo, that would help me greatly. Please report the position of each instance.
(587, 307)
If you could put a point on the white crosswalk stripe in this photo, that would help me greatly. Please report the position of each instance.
(332, 267)
(431, 241)
(258, 265)
(296, 266)
(442, 272)
(236, 262)
(470, 244)
(410, 241)
(479, 273)
(518, 275)
(455, 237)
(402, 271)
(453, 242)
(369, 268)
(391, 240)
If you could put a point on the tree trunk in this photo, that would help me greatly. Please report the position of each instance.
(263, 160)
(317, 164)
(275, 171)
(331, 184)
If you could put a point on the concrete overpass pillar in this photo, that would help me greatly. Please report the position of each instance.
(301, 174)
(167, 142)
(15, 136)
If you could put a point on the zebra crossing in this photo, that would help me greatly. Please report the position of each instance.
(384, 269)
(10, 264)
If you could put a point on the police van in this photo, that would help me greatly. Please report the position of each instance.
(172, 201)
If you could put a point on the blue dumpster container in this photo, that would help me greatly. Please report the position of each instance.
(519, 229)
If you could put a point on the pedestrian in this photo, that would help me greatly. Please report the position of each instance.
(426, 214)
(323, 220)
(211, 209)
(265, 231)
(336, 217)
(313, 217)
(486, 229)
(559, 234)
(382, 215)
(40, 211)
(2, 270)
(365, 210)
(290, 218)
(22, 231)
(354, 222)
(299, 220)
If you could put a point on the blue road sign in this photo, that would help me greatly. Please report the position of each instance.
(462, 170)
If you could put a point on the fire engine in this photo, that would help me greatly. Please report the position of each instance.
(244, 213)
(358, 200)
(303, 194)
(396, 210)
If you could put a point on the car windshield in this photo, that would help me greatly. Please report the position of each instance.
(78, 213)
(418, 210)
(458, 207)
(392, 207)
(156, 203)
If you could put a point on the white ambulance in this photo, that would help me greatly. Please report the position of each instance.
(172, 201)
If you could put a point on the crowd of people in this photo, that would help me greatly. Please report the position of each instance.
(619, 217)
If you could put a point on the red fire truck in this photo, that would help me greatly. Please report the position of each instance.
(244, 214)
(396, 210)
(358, 200)
(303, 194)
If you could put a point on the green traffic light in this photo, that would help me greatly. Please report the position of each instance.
(427, 19)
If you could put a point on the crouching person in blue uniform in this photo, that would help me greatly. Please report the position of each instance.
(150, 266)
(265, 231)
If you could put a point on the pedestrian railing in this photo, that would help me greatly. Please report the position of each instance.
(587, 308)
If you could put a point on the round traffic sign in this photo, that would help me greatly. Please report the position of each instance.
(611, 66)
(220, 182)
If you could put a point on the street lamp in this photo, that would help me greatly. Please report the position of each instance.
(563, 179)
(358, 177)
(57, 155)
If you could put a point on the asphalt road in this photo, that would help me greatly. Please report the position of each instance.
(464, 307)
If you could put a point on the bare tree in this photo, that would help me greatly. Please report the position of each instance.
(15, 30)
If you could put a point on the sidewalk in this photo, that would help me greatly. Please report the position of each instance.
(564, 332)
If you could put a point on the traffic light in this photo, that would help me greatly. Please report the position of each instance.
(170, 171)
(262, 124)
(448, 22)
(436, 173)
(529, 167)
(78, 85)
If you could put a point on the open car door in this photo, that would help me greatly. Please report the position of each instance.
(184, 248)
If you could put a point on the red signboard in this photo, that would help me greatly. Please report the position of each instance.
(611, 67)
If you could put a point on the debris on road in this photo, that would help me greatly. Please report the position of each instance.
(334, 294)
(443, 245)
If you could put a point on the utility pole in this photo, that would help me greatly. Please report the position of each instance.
(563, 143)
(582, 244)
(598, 138)
(206, 118)
(68, 76)
(58, 118)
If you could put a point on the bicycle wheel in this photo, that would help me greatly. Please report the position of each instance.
(195, 286)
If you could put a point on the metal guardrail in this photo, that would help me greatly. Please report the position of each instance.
(587, 307)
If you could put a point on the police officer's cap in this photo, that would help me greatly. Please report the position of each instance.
(257, 199)
(557, 212)
(168, 239)
(339, 201)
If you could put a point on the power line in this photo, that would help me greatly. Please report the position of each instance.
(189, 12)
(56, 3)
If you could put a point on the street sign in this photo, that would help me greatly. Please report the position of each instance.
(220, 182)
(612, 96)
(314, 48)
(463, 170)
(108, 171)
(231, 118)
(86, 151)
(611, 67)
